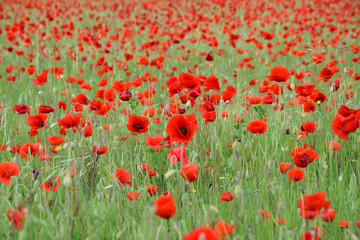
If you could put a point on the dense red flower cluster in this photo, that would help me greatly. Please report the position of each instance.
(140, 98)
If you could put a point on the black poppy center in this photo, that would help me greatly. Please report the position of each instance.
(183, 130)
(138, 126)
(304, 159)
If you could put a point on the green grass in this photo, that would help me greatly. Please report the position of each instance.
(93, 206)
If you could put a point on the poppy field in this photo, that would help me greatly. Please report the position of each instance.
(194, 120)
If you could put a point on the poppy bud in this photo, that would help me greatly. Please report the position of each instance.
(237, 191)
(125, 96)
(189, 172)
(182, 110)
(67, 180)
(170, 173)
(36, 173)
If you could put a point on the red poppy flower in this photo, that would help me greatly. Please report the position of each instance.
(51, 185)
(265, 214)
(3, 147)
(165, 206)
(145, 166)
(77, 107)
(29, 149)
(209, 116)
(150, 112)
(154, 142)
(305, 90)
(8, 170)
(344, 111)
(33, 132)
(37, 121)
(312, 154)
(296, 174)
(317, 96)
(133, 195)
(73, 171)
(11, 78)
(55, 140)
(137, 124)
(299, 76)
(308, 127)
(99, 151)
(46, 109)
(81, 99)
(310, 205)
(284, 167)
(280, 220)
(335, 146)
(328, 215)
(53, 150)
(302, 157)
(189, 172)
(152, 189)
(71, 120)
(226, 197)
(207, 107)
(188, 81)
(17, 217)
(143, 61)
(257, 126)
(279, 74)
(120, 87)
(174, 86)
(87, 131)
(181, 129)
(306, 104)
(228, 93)
(325, 74)
(41, 79)
(125, 96)
(109, 95)
(255, 100)
(205, 233)
(128, 56)
(211, 83)
(21, 109)
(123, 176)
(31, 69)
(318, 58)
(104, 109)
(343, 126)
(178, 154)
(62, 105)
(95, 105)
(310, 235)
(222, 229)
(343, 224)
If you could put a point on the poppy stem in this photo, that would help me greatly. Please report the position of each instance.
(168, 225)
(258, 142)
